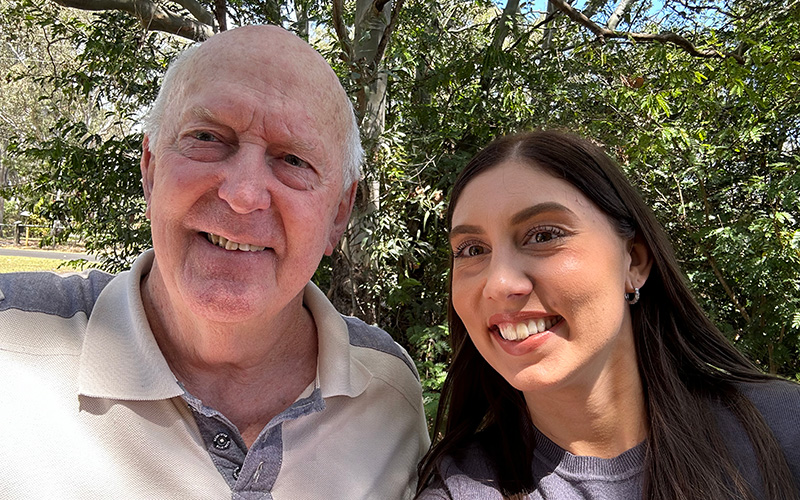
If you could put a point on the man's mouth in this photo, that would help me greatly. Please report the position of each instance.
(523, 330)
(227, 244)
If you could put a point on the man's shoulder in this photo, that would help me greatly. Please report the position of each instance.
(377, 340)
(54, 294)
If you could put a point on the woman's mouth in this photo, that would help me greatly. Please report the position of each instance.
(524, 329)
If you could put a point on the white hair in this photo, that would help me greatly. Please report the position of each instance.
(173, 88)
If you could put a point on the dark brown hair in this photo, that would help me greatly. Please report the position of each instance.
(684, 360)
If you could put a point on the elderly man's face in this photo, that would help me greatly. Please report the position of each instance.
(245, 185)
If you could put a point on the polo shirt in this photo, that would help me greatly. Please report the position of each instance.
(92, 410)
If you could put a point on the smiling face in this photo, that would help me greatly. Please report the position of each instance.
(244, 187)
(538, 279)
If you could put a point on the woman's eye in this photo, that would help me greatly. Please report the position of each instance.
(295, 161)
(545, 234)
(474, 250)
(469, 250)
(542, 237)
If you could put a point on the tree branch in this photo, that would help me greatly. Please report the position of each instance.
(592, 6)
(152, 16)
(221, 14)
(722, 281)
(672, 38)
(341, 32)
(616, 17)
(197, 10)
(712, 262)
(500, 34)
(387, 33)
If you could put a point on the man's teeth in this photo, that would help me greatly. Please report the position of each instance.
(227, 244)
(521, 331)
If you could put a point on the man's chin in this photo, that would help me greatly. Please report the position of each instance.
(229, 302)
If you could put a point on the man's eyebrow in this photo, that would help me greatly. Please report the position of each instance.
(301, 146)
(527, 213)
(203, 113)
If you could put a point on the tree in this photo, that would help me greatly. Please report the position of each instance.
(697, 100)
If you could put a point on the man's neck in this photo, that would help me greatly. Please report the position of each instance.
(249, 373)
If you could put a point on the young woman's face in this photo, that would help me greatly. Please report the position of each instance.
(539, 277)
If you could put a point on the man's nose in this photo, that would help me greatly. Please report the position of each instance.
(246, 181)
(507, 278)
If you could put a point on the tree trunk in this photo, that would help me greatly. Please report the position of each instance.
(494, 50)
(370, 26)
(351, 263)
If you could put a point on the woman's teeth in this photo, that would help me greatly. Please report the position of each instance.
(521, 331)
(227, 244)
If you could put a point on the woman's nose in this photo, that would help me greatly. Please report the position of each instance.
(507, 278)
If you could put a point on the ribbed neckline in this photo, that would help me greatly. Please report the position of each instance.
(549, 455)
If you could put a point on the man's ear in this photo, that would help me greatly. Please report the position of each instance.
(640, 264)
(342, 217)
(147, 166)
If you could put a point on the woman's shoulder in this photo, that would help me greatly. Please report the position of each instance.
(465, 475)
(777, 400)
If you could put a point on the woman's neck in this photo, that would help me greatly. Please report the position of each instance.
(603, 420)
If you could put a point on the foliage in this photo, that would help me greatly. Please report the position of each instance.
(709, 135)
(83, 170)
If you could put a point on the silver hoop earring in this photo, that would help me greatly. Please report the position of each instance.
(632, 298)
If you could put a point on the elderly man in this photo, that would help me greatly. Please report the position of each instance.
(214, 368)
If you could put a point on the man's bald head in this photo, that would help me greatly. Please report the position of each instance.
(288, 60)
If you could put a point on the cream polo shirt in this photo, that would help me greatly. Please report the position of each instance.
(92, 410)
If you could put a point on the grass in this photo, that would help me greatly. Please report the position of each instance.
(9, 264)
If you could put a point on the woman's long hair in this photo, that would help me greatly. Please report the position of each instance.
(684, 360)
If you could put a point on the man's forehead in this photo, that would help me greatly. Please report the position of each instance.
(266, 49)
(271, 61)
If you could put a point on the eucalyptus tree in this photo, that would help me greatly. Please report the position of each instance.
(698, 100)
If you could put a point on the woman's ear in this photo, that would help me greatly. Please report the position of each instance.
(640, 264)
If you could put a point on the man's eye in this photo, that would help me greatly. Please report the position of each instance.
(204, 136)
(295, 161)
(200, 145)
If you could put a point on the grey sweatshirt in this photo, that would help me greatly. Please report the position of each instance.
(559, 475)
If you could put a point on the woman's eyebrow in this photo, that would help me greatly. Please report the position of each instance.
(527, 213)
(517, 218)
(464, 229)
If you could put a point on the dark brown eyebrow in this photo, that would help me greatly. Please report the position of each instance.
(464, 229)
(535, 210)
(517, 218)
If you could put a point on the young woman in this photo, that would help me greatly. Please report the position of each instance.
(583, 368)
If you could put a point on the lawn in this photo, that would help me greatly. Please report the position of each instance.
(9, 264)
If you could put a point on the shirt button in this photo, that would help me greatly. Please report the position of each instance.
(222, 441)
(236, 472)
